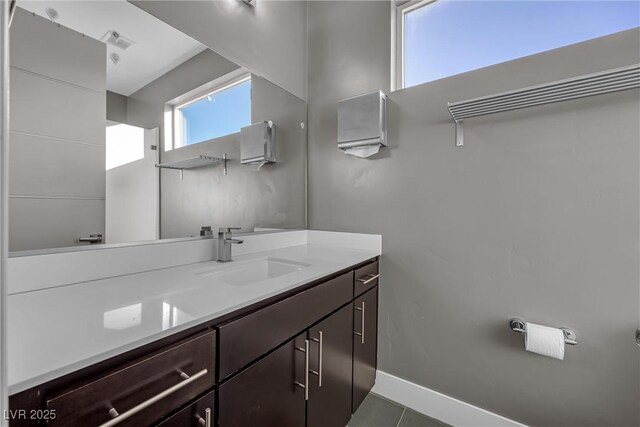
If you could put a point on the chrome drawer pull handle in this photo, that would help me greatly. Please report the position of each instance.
(361, 334)
(320, 357)
(133, 411)
(305, 386)
(206, 421)
(638, 336)
(371, 278)
(93, 238)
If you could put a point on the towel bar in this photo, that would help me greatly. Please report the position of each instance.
(518, 325)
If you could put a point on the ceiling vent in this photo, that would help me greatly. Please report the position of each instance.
(115, 39)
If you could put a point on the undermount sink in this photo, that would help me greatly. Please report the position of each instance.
(247, 272)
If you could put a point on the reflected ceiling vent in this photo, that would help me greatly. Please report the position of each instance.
(115, 58)
(115, 39)
(51, 13)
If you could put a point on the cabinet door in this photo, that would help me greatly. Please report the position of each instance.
(198, 414)
(266, 394)
(365, 344)
(331, 356)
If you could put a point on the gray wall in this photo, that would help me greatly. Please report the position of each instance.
(268, 39)
(116, 107)
(57, 134)
(537, 216)
(271, 197)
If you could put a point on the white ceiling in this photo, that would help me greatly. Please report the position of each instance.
(157, 48)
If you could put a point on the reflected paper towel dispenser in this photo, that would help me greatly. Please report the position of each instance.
(362, 124)
(258, 143)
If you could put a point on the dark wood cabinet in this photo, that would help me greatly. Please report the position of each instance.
(331, 345)
(187, 368)
(365, 344)
(366, 277)
(198, 414)
(305, 359)
(266, 394)
(245, 339)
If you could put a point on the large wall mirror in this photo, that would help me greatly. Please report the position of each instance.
(123, 129)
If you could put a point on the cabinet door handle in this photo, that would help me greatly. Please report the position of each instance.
(93, 238)
(361, 334)
(371, 278)
(305, 386)
(206, 421)
(319, 372)
(131, 412)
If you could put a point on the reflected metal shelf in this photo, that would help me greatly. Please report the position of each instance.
(562, 90)
(195, 162)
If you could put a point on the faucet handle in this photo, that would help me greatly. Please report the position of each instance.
(228, 229)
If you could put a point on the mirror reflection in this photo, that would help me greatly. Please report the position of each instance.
(124, 129)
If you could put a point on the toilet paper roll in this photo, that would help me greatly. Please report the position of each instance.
(363, 151)
(544, 340)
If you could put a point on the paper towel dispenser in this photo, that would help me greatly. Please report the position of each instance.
(258, 143)
(362, 123)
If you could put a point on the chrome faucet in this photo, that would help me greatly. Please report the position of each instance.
(224, 243)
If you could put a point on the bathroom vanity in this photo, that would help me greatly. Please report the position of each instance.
(117, 318)
(271, 349)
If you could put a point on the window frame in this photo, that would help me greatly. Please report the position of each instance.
(173, 126)
(401, 8)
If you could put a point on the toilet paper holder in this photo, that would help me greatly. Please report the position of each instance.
(518, 325)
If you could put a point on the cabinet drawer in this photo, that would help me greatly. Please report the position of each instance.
(365, 278)
(143, 391)
(247, 338)
(198, 414)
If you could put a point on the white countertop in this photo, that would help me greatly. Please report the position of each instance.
(53, 332)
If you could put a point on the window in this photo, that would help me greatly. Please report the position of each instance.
(436, 39)
(216, 109)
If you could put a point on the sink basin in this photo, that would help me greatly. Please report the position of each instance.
(245, 273)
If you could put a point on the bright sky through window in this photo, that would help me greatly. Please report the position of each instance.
(125, 144)
(216, 115)
(448, 37)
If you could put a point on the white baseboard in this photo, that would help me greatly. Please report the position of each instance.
(437, 405)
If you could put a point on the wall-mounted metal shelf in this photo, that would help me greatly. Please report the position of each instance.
(195, 162)
(562, 90)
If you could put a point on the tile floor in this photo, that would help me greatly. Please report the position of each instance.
(377, 411)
